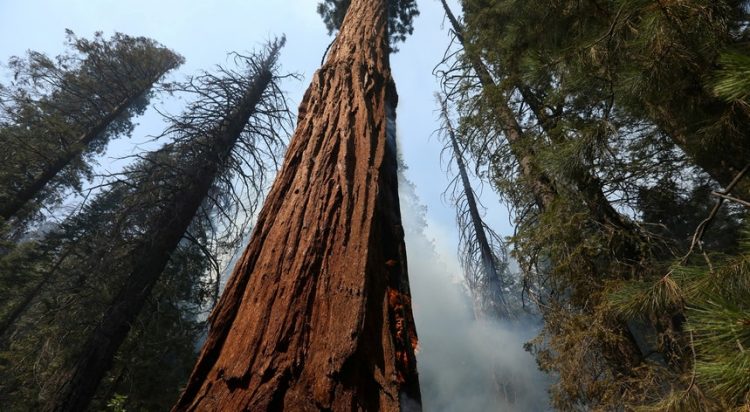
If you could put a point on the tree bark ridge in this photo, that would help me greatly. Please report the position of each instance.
(317, 313)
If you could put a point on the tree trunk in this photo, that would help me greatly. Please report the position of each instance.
(74, 388)
(22, 306)
(541, 185)
(722, 159)
(545, 191)
(33, 187)
(317, 314)
(488, 296)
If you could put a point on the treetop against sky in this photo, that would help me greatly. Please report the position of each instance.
(205, 32)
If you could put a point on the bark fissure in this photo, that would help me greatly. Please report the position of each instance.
(306, 317)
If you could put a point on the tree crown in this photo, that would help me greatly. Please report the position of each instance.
(401, 15)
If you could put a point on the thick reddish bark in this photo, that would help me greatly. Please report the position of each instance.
(317, 315)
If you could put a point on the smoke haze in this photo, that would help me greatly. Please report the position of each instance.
(464, 365)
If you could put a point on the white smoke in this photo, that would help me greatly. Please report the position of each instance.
(464, 365)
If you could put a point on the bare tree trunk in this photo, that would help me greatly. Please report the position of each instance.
(33, 187)
(75, 387)
(317, 314)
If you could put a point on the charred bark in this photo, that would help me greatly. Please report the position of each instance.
(75, 387)
(316, 315)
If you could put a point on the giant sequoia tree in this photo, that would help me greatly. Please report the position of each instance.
(317, 313)
(58, 113)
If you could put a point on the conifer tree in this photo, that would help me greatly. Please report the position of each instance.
(482, 253)
(559, 258)
(50, 326)
(59, 113)
(233, 123)
(619, 99)
(317, 314)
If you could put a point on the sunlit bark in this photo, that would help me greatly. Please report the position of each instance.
(317, 313)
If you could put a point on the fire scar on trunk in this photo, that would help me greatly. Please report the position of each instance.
(405, 340)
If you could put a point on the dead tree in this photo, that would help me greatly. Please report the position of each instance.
(479, 244)
(200, 156)
(317, 313)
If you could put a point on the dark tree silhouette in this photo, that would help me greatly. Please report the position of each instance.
(60, 111)
(481, 253)
(234, 112)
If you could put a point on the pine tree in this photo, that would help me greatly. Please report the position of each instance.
(558, 235)
(232, 119)
(154, 362)
(317, 313)
(617, 102)
(53, 322)
(59, 113)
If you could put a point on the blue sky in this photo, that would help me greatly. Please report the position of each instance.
(205, 31)
(456, 353)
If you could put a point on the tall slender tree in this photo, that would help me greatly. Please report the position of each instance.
(482, 252)
(547, 128)
(317, 314)
(618, 98)
(232, 124)
(59, 113)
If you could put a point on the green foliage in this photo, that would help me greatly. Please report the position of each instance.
(733, 79)
(642, 299)
(116, 404)
(632, 113)
(84, 264)
(401, 14)
(78, 292)
(715, 364)
(153, 364)
(719, 321)
(58, 114)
